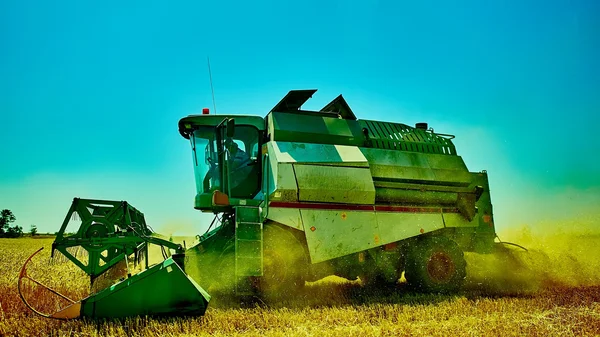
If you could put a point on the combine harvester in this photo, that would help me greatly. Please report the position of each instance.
(297, 195)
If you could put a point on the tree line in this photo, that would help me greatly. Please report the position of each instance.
(6, 230)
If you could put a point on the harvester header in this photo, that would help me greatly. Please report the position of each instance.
(109, 245)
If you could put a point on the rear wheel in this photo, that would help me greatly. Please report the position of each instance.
(435, 264)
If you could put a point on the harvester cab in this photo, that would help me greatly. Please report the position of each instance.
(227, 165)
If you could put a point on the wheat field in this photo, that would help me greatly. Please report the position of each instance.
(557, 294)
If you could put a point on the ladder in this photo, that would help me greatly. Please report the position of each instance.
(248, 247)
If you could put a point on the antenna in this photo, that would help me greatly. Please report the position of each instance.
(212, 89)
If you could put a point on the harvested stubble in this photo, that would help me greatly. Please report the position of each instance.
(327, 308)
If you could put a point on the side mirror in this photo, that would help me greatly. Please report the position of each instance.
(230, 128)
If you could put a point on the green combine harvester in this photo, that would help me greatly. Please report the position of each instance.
(297, 195)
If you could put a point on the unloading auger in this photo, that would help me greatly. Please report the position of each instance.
(112, 236)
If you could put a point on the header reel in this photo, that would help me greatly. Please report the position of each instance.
(109, 234)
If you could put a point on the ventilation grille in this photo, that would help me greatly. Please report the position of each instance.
(393, 136)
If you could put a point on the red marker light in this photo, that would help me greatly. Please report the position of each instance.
(205, 111)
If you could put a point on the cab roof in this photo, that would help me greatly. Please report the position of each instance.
(193, 121)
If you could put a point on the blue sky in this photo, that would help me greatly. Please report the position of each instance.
(90, 94)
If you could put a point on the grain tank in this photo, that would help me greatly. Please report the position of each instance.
(299, 195)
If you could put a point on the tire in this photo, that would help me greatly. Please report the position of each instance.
(384, 271)
(285, 264)
(217, 271)
(435, 264)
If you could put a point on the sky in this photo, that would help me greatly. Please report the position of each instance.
(91, 93)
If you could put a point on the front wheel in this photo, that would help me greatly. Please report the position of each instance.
(435, 264)
(285, 264)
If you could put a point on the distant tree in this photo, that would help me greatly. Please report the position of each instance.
(14, 231)
(6, 218)
(33, 230)
(6, 230)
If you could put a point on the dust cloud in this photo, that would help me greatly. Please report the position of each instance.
(565, 254)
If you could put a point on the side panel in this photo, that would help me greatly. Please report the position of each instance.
(396, 226)
(324, 154)
(337, 184)
(287, 216)
(282, 182)
(457, 220)
(299, 127)
(414, 166)
(335, 233)
(318, 173)
(346, 229)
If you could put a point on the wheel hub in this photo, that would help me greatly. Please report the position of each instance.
(440, 267)
(276, 266)
(96, 230)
